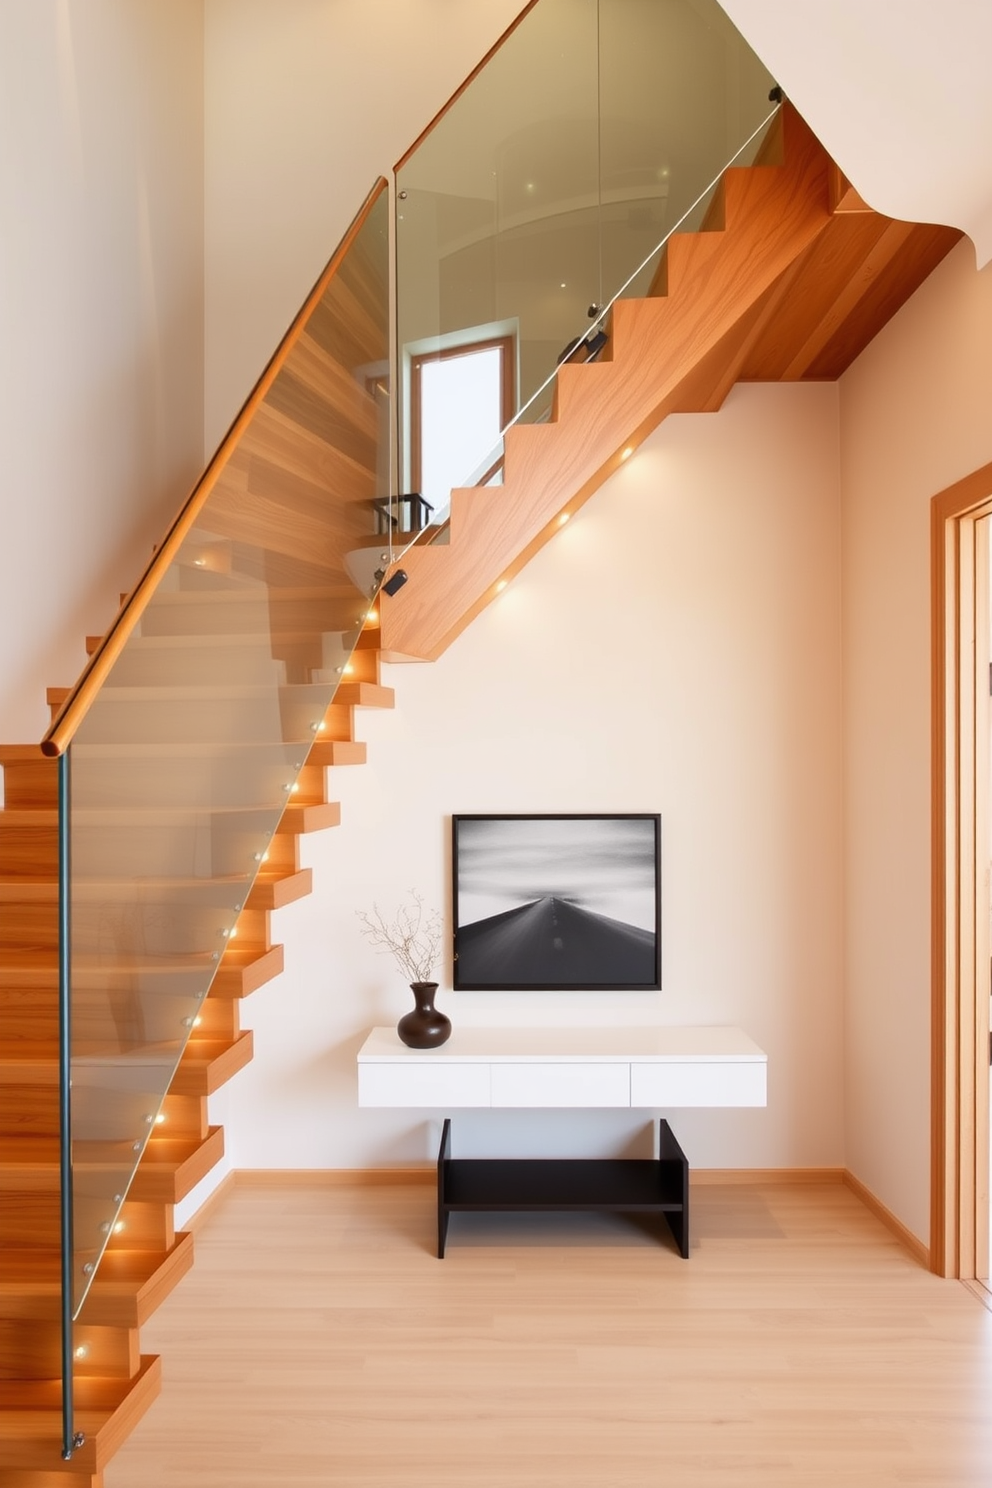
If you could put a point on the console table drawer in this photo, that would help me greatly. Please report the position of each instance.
(561, 1084)
(398, 1084)
(722, 1083)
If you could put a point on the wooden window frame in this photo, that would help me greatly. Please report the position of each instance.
(508, 386)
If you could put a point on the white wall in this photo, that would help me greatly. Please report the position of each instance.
(915, 417)
(308, 101)
(101, 317)
(676, 648)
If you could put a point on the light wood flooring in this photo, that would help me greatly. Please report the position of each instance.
(318, 1341)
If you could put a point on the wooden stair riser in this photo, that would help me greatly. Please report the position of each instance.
(26, 924)
(29, 1109)
(29, 779)
(27, 1014)
(31, 1348)
(29, 846)
(32, 1221)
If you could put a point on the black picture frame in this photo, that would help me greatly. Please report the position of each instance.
(557, 902)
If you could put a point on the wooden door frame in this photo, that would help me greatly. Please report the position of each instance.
(959, 1199)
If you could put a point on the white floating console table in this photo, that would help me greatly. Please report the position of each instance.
(659, 1068)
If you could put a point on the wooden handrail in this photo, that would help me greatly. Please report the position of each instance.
(496, 46)
(80, 699)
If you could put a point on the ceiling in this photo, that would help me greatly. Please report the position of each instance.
(899, 94)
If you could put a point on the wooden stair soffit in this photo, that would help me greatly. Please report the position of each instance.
(792, 278)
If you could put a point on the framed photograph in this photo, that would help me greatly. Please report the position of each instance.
(557, 903)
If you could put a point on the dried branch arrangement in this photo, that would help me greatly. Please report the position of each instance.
(412, 937)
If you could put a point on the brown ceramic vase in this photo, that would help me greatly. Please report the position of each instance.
(424, 1027)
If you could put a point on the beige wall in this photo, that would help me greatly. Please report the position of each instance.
(101, 317)
(915, 416)
(676, 648)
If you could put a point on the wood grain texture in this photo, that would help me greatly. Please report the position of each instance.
(799, 280)
(959, 1102)
(772, 215)
(800, 1345)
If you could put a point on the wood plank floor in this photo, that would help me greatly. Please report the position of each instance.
(318, 1341)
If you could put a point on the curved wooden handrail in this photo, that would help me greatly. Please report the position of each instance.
(496, 46)
(80, 699)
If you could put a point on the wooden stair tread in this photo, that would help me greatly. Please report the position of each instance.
(273, 890)
(243, 972)
(124, 816)
(40, 1153)
(120, 1271)
(14, 959)
(196, 692)
(204, 750)
(365, 695)
(107, 1410)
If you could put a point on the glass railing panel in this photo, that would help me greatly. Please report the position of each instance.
(680, 93)
(591, 135)
(493, 204)
(191, 751)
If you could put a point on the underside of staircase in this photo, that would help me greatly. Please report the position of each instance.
(791, 277)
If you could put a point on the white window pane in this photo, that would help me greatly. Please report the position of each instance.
(460, 405)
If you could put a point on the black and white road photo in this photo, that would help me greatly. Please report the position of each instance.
(557, 902)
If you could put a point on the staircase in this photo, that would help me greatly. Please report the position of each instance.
(790, 278)
(145, 1257)
(788, 272)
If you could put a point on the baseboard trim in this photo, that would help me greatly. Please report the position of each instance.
(916, 1248)
(197, 1220)
(333, 1177)
(704, 1177)
(980, 1290)
(421, 1173)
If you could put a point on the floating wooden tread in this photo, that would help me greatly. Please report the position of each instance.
(365, 695)
(171, 1166)
(107, 1411)
(127, 1288)
(206, 692)
(207, 1064)
(310, 816)
(244, 969)
(333, 752)
(273, 890)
